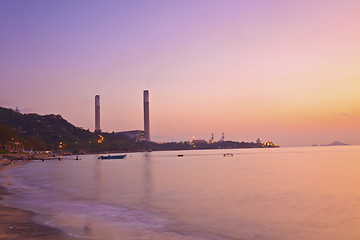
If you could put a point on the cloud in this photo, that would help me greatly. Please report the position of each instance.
(350, 116)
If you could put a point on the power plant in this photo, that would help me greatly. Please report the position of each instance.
(97, 113)
(146, 116)
(136, 134)
(144, 135)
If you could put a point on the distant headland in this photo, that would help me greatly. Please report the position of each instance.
(335, 143)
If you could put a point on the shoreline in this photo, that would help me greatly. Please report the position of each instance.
(17, 223)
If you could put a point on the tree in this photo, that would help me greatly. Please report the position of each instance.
(7, 133)
(34, 143)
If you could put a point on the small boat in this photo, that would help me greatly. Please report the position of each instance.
(228, 155)
(180, 155)
(112, 157)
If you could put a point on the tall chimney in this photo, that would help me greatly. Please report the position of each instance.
(97, 113)
(146, 116)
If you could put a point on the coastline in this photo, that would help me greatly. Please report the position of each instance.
(17, 223)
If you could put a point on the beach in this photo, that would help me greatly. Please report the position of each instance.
(17, 223)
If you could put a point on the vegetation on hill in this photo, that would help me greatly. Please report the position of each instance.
(42, 132)
(52, 132)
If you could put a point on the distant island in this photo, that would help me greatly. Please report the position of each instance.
(335, 143)
(32, 132)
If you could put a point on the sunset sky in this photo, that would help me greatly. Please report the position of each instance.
(282, 70)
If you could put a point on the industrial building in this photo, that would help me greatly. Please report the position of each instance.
(146, 116)
(97, 113)
(138, 135)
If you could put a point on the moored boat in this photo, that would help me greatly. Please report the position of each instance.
(113, 157)
(228, 154)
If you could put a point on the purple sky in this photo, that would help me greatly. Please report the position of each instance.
(288, 71)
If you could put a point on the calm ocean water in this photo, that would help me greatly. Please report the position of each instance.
(310, 193)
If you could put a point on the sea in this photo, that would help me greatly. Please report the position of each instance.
(309, 193)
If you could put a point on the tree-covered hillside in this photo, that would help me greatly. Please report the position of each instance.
(52, 132)
(47, 130)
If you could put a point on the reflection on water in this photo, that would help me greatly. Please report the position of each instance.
(286, 193)
(99, 179)
(147, 181)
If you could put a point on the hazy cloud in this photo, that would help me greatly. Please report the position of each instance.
(348, 115)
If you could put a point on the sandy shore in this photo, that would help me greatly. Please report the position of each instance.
(16, 223)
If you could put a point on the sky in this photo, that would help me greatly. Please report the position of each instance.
(280, 70)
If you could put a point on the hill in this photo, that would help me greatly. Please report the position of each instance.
(45, 132)
(53, 132)
(336, 143)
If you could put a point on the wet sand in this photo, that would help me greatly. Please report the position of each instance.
(16, 223)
